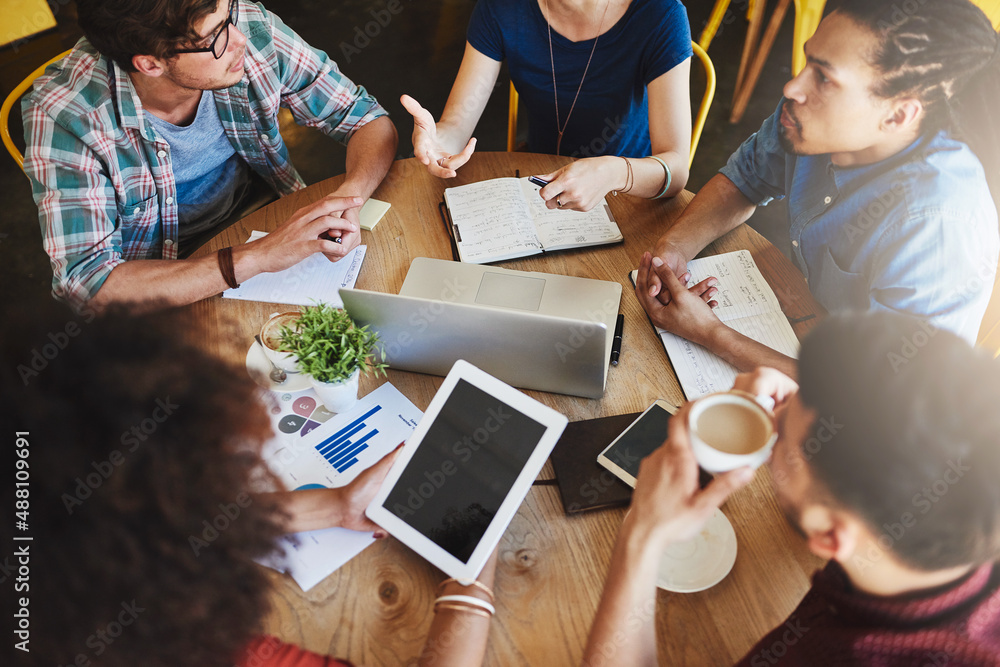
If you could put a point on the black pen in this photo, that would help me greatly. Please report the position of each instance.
(616, 344)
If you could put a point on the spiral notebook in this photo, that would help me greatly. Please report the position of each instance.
(747, 304)
(504, 218)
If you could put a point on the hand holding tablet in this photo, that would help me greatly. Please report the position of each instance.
(462, 475)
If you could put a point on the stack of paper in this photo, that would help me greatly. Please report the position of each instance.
(314, 449)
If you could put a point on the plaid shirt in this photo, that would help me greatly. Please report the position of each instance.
(102, 177)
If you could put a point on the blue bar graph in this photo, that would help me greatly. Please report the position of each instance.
(341, 448)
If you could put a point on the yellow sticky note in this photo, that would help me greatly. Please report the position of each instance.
(372, 212)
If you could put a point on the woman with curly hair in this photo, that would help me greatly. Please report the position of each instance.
(137, 439)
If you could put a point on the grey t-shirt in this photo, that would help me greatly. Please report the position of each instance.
(211, 177)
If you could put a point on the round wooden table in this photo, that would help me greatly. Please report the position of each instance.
(376, 609)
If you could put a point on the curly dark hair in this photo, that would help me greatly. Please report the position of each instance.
(142, 451)
(121, 29)
(907, 434)
(946, 54)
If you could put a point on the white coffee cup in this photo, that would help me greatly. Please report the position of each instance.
(732, 429)
(269, 333)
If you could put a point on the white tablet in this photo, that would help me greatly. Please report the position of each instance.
(464, 471)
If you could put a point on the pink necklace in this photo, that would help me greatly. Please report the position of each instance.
(555, 91)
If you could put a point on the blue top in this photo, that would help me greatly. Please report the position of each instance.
(915, 233)
(611, 116)
(211, 177)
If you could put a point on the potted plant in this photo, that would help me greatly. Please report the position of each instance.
(333, 352)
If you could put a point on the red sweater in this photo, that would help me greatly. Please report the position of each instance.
(958, 624)
(268, 651)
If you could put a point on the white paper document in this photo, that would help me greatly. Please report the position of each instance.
(315, 449)
(747, 304)
(314, 279)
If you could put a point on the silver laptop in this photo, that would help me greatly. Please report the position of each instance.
(532, 330)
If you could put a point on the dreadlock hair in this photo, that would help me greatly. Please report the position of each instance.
(946, 54)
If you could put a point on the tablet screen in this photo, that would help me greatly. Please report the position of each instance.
(463, 469)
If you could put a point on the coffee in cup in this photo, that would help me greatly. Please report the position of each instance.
(270, 338)
(730, 430)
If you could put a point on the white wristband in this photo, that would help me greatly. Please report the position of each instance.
(468, 599)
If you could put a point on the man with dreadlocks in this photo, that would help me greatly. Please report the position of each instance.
(883, 149)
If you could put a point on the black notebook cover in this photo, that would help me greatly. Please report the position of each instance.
(584, 484)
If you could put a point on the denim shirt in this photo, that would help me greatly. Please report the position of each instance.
(915, 233)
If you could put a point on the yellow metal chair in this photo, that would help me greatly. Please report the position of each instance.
(699, 120)
(8, 104)
(992, 10)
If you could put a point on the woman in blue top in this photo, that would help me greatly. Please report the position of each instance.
(620, 70)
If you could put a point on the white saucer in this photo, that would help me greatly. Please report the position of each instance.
(702, 561)
(259, 369)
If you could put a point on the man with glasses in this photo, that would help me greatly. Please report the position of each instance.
(153, 134)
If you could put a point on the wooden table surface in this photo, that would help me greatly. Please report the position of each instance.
(376, 609)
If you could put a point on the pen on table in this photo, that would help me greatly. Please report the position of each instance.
(616, 344)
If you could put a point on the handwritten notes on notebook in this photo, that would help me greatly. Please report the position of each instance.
(505, 218)
(747, 304)
(313, 279)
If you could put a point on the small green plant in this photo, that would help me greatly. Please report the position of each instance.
(328, 345)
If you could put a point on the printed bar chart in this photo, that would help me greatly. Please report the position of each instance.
(341, 448)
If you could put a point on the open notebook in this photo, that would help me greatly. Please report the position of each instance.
(747, 304)
(504, 218)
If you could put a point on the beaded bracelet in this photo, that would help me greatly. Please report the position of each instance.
(666, 177)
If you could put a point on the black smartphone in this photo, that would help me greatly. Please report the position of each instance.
(623, 456)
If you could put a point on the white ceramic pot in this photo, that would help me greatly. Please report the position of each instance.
(338, 396)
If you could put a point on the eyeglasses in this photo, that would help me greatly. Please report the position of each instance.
(221, 40)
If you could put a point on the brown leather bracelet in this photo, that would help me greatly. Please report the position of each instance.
(227, 268)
